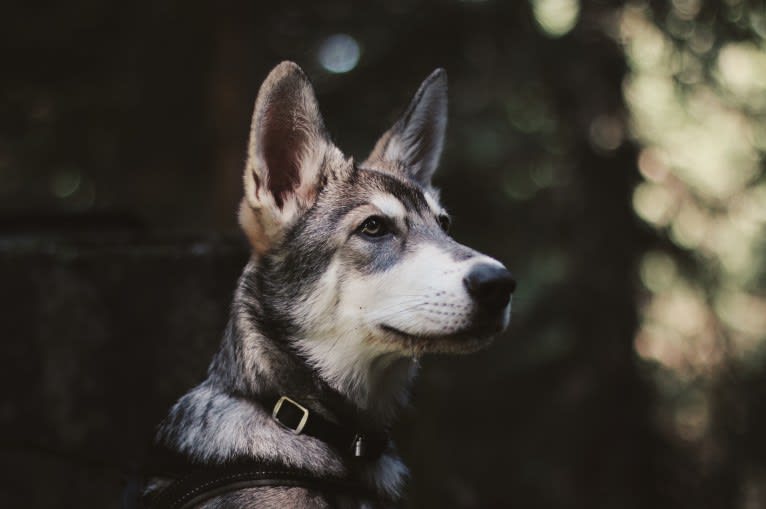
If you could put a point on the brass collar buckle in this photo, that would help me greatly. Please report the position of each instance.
(297, 429)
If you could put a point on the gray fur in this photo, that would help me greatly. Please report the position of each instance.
(310, 317)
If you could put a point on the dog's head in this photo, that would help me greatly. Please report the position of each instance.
(354, 259)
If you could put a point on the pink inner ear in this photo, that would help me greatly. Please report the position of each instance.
(282, 143)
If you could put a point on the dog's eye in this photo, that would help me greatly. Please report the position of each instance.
(374, 226)
(444, 222)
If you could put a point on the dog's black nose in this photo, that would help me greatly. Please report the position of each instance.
(491, 286)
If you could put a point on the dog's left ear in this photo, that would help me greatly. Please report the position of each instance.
(414, 144)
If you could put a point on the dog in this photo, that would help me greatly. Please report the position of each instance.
(352, 278)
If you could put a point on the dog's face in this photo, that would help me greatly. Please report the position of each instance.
(355, 259)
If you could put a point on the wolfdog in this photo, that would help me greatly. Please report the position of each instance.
(352, 278)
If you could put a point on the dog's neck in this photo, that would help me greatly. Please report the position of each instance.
(377, 383)
(227, 415)
(312, 369)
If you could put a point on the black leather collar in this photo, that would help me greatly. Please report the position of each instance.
(350, 441)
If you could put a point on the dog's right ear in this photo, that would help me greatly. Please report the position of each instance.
(414, 144)
(288, 147)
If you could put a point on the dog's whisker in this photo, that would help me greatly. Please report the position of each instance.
(384, 316)
(399, 304)
(397, 311)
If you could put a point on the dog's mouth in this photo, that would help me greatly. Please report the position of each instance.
(465, 340)
(424, 337)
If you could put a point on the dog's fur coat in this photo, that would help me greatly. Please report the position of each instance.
(332, 301)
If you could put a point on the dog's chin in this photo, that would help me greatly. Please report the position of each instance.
(459, 342)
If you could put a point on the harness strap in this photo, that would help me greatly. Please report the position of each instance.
(193, 482)
(203, 485)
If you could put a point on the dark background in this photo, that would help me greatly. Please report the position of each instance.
(608, 152)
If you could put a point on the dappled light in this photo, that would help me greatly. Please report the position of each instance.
(698, 103)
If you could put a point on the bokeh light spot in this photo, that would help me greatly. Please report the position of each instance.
(339, 53)
(686, 9)
(556, 17)
(653, 203)
(65, 183)
(658, 271)
(606, 132)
